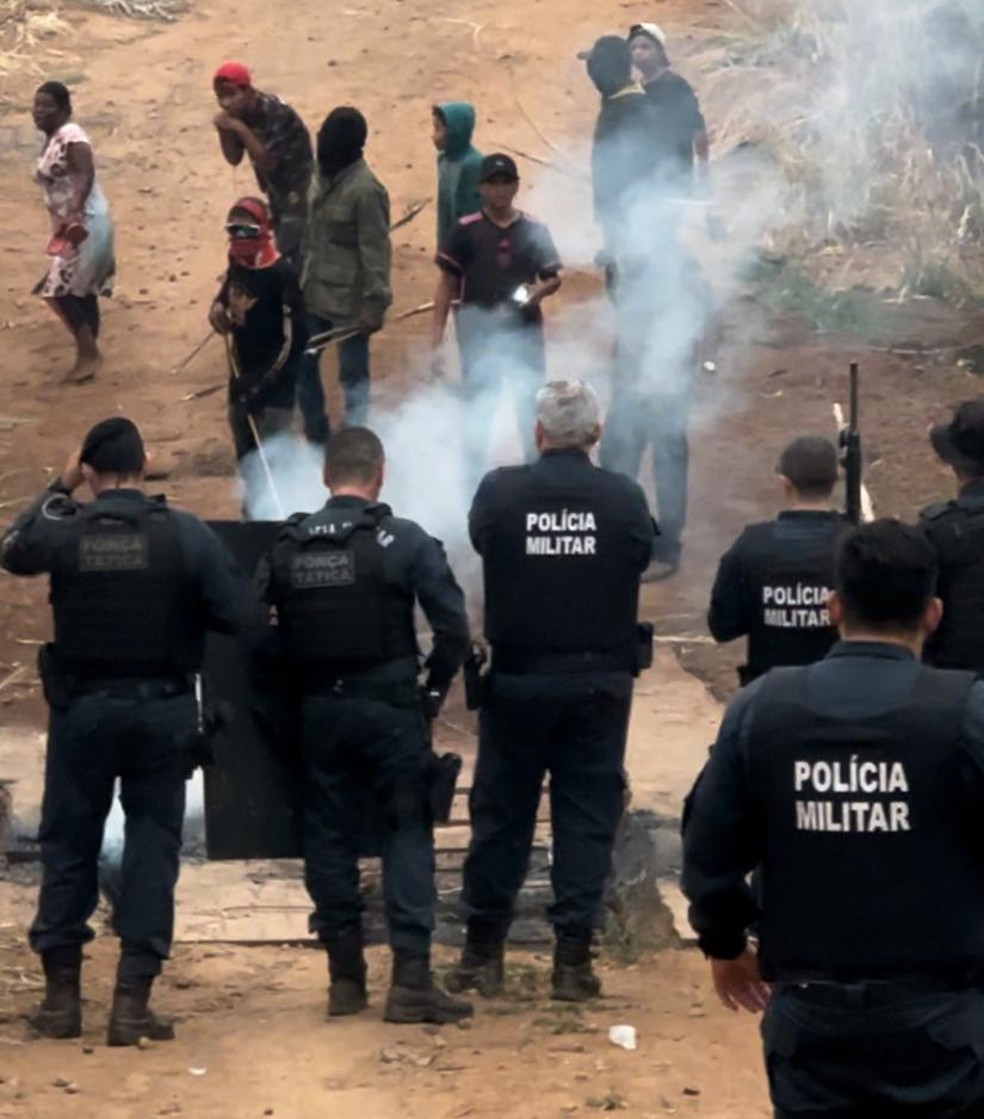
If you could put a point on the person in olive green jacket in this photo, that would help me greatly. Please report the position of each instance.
(345, 279)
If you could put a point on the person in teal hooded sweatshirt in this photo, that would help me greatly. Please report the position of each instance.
(458, 163)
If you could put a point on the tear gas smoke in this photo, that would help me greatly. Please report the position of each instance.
(823, 114)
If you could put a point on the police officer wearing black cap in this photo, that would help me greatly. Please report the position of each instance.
(772, 583)
(500, 264)
(563, 544)
(856, 783)
(344, 582)
(134, 587)
(956, 530)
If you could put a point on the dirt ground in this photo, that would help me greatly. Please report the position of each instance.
(252, 1040)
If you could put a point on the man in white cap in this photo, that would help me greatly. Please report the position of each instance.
(679, 123)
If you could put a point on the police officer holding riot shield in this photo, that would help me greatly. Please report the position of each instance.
(344, 582)
(856, 783)
(134, 587)
(772, 583)
(563, 545)
(956, 531)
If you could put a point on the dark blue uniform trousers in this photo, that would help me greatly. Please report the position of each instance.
(93, 742)
(864, 1052)
(359, 754)
(574, 728)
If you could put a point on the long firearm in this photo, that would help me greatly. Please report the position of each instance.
(850, 447)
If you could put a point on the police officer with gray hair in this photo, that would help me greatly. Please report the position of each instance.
(344, 582)
(134, 587)
(563, 544)
(856, 784)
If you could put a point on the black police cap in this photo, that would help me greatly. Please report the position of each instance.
(114, 446)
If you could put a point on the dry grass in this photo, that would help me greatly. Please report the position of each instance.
(838, 123)
(24, 26)
(31, 31)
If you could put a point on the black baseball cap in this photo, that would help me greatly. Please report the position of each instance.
(497, 164)
(114, 446)
(960, 443)
(606, 48)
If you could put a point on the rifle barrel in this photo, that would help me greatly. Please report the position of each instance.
(854, 379)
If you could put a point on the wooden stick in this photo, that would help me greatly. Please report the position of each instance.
(195, 352)
(421, 310)
(683, 639)
(234, 369)
(13, 677)
(538, 130)
(328, 336)
(570, 172)
(410, 213)
(198, 394)
(321, 342)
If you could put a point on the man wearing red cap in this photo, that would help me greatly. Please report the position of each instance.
(279, 148)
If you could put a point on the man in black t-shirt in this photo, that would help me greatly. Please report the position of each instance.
(678, 125)
(499, 264)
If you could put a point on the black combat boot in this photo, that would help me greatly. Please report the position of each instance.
(60, 1012)
(573, 978)
(347, 972)
(482, 964)
(131, 1018)
(414, 998)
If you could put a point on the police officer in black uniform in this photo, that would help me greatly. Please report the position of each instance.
(856, 783)
(134, 587)
(956, 530)
(344, 582)
(563, 544)
(772, 583)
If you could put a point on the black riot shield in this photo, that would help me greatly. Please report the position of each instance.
(252, 789)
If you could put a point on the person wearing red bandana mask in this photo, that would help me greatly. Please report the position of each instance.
(259, 307)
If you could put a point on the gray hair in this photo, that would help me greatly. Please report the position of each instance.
(569, 413)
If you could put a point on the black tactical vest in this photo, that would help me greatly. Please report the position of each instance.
(867, 870)
(791, 580)
(957, 534)
(122, 599)
(334, 603)
(557, 580)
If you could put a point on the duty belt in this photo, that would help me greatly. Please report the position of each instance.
(377, 691)
(132, 688)
(850, 994)
(514, 663)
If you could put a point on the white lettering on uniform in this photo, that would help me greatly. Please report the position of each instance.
(567, 532)
(799, 606)
(853, 777)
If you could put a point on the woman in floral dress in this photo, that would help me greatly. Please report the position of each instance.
(81, 247)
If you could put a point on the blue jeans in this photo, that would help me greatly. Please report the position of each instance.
(640, 419)
(91, 743)
(353, 372)
(498, 352)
